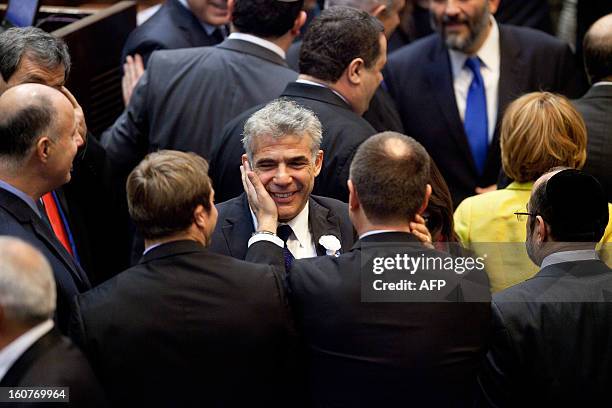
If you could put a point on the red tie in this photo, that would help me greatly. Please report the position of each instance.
(56, 221)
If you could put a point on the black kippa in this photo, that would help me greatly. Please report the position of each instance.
(577, 203)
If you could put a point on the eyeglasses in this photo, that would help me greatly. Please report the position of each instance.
(522, 216)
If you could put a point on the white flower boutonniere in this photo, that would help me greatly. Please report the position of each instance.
(331, 244)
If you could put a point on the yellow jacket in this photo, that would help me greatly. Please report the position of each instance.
(486, 224)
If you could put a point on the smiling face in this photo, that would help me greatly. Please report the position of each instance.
(464, 24)
(213, 12)
(287, 170)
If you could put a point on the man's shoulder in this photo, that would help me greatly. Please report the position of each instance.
(336, 206)
(233, 206)
(531, 38)
(416, 52)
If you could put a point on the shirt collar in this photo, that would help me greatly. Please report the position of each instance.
(603, 83)
(305, 81)
(209, 28)
(489, 53)
(570, 256)
(515, 185)
(28, 200)
(259, 41)
(21, 344)
(299, 225)
(374, 232)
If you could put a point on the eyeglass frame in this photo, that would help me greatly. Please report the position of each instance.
(519, 213)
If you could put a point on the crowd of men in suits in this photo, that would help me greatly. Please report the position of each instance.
(246, 280)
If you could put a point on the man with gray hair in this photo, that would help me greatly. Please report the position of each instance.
(282, 143)
(32, 352)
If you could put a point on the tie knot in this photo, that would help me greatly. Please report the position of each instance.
(283, 232)
(473, 63)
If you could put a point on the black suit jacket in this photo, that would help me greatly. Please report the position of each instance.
(596, 109)
(186, 96)
(551, 343)
(17, 219)
(419, 78)
(365, 353)
(235, 225)
(381, 114)
(54, 361)
(188, 327)
(343, 132)
(171, 27)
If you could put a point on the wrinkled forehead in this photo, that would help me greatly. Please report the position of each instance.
(268, 144)
(31, 71)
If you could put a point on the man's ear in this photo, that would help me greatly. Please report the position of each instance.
(541, 229)
(245, 159)
(353, 202)
(493, 5)
(378, 10)
(200, 216)
(425, 199)
(298, 23)
(353, 71)
(318, 162)
(43, 148)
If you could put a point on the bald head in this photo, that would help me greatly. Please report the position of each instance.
(27, 286)
(390, 172)
(28, 112)
(598, 50)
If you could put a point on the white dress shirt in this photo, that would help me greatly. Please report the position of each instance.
(21, 344)
(299, 242)
(489, 54)
(259, 41)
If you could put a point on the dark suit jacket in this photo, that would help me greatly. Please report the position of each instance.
(419, 78)
(18, 220)
(551, 343)
(343, 132)
(235, 225)
(596, 109)
(366, 353)
(54, 361)
(381, 114)
(171, 27)
(188, 327)
(186, 97)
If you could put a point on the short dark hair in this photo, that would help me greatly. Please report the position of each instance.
(597, 51)
(265, 18)
(43, 48)
(19, 130)
(391, 184)
(164, 190)
(335, 38)
(573, 204)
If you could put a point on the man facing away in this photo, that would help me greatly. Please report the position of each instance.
(551, 333)
(32, 351)
(186, 326)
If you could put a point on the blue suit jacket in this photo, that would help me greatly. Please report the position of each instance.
(171, 27)
(18, 220)
(419, 77)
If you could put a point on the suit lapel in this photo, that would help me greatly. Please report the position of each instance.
(238, 227)
(440, 79)
(321, 222)
(24, 214)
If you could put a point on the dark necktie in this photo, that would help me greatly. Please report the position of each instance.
(475, 122)
(283, 232)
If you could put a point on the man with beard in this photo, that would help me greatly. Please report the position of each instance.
(452, 86)
(549, 345)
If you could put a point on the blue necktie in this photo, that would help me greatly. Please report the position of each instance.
(283, 232)
(476, 123)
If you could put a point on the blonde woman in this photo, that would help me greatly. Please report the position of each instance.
(539, 131)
